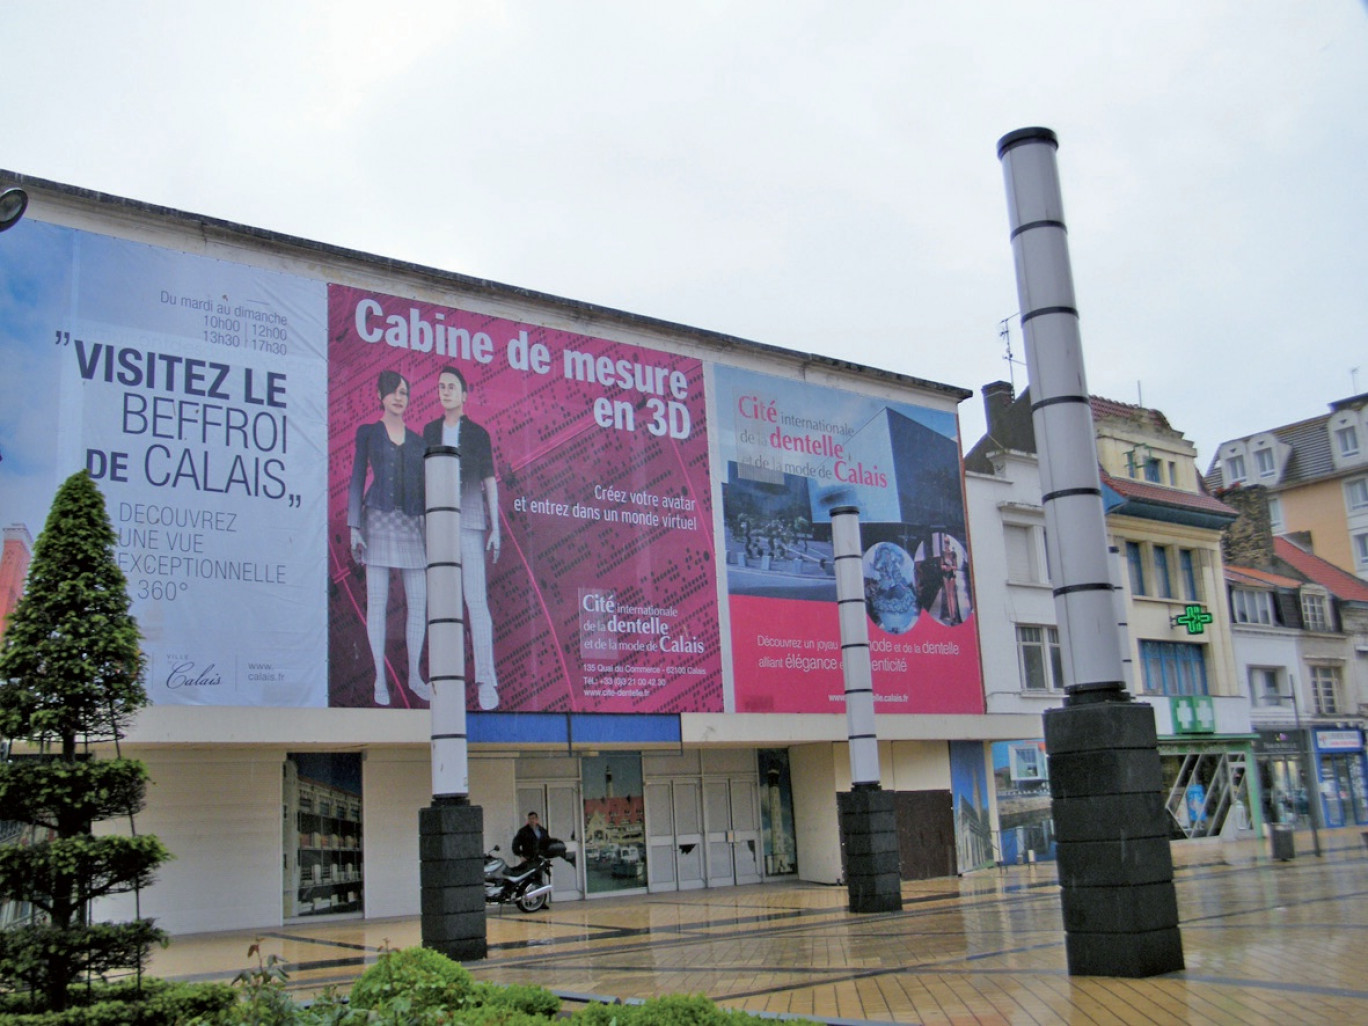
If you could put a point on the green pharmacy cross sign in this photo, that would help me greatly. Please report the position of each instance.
(1194, 618)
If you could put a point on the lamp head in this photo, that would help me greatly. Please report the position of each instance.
(13, 203)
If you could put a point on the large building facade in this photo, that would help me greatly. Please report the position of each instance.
(653, 661)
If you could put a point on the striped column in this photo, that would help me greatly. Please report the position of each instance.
(868, 815)
(1115, 868)
(450, 830)
(1062, 416)
(859, 678)
(446, 625)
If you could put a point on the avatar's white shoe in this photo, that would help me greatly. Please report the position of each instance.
(421, 688)
(381, 693)
(489, 697)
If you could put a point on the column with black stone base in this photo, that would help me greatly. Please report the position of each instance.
(1115, 867)
(868, 824)
(451, 830)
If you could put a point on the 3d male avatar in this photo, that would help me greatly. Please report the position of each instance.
(479, 519)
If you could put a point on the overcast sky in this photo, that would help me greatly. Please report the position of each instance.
(820, 176)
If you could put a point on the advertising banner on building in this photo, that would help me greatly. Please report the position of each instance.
(259, 439)
(588, 558)
(790, 452)
(193, 391)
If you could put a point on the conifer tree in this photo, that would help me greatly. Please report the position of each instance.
(71, 676)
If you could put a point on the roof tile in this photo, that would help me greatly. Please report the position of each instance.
(1341, 584)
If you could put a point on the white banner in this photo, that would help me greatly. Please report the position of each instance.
(193, 390)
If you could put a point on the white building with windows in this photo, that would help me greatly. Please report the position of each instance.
(1166, 535)
(1300, 631)
(1316, 473)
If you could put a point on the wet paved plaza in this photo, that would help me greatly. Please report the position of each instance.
(1265, 942)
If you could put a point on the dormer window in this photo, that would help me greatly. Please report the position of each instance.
(1314, 615)
(1235, 469)
(1346, 440)
(1263, 460)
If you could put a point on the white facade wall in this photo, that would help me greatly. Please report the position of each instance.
(219, 812)
(1272, 648)
(1009, 499)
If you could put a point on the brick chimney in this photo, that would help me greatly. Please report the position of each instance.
(997, 400)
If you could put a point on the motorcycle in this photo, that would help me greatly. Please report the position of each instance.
(529, 885)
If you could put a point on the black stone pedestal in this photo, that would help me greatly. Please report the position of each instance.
(869, 832)
(451, 875)
(1115, 866)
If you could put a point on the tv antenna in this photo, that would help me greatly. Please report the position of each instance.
(1005, 333)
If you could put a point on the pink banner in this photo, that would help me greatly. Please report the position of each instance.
(585, 509)
(791, 653)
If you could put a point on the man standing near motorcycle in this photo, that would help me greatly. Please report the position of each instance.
(528, 841)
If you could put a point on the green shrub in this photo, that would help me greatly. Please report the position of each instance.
(596, 1014)
(537, 1001)
(155, 1003)
(669, 1010)
(423, 978)
(497, 1015)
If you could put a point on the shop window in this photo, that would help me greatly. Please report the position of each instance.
(614, 822)
(776, 813)
(324, 861)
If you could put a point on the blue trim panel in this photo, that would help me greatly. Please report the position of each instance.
(560, 729)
